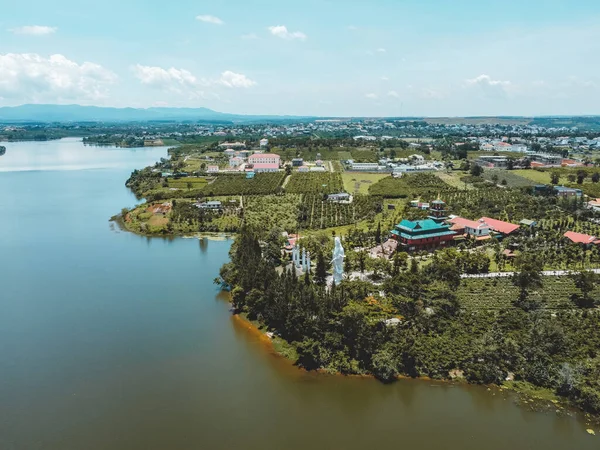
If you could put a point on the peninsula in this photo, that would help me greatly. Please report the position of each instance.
(469, 256)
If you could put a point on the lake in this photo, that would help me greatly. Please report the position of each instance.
(110, 340)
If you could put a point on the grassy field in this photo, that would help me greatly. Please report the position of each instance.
(359, 183)
(513, 178)
(536, 176)
(453, 179)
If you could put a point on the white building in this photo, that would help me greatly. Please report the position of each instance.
(264, 143)
(212, 169)
(264, 158)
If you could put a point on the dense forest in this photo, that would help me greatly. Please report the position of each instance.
(414, 323)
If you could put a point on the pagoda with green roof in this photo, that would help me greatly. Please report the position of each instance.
(422, 234)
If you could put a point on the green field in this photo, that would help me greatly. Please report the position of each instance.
(188, 182)
(512, 178)
(359, 183)
(499, 293)
(537, 176)
(315, 183)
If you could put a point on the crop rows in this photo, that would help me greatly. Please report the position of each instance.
(315, 183)
(410, 186)
(261, 184)
(314, 213)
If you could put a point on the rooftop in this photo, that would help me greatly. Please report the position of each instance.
(500, 226)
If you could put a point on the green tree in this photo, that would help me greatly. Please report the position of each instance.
(585, 281)
(321, 270)
(595, 177)
(554, 177)
(528, 276)
(476, 170)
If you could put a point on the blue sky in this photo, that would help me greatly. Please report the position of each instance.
(337, 58)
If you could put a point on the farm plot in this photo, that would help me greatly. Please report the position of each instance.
(500, 293)
(315, 183)
(266, 212)
(314, 213)
(261, 184)
(410, 186)
(359, 183)
(507, 178)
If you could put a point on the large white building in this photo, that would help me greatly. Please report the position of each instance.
(264, 158)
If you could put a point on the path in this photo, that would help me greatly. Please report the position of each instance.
(285, 182)
(546, 273)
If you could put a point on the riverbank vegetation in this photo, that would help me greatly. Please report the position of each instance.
(427, 321)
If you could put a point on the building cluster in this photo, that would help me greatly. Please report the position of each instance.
(397, 167)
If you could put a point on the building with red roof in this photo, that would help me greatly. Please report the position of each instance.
(265, 167)
(500, 226)
(475, 228)
(579, 238)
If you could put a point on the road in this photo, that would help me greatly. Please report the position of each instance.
(547, 273)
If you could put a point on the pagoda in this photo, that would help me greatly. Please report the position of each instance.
(437, 211)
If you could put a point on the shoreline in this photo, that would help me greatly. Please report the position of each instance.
(522, 398)
(212, 235)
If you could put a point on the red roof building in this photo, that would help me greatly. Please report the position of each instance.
(579, 238)
(500, 226)
(475, 228)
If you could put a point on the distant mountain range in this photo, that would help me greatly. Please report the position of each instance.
(78, 113)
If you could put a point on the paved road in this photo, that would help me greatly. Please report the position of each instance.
(548, 273)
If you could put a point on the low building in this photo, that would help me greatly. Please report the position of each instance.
(567, 192)
(229, 152)
(578, 238)
(236, 161)
(233, 144)
(341, 197)
(303, 169)
(212, 169)
(526, 223)
(492, 162)
(499, 226)
(474, 228)
(318, 169)
(215, 204)
(594, 204)
(364, 167)
(265, 167)
(422, 234)
(249, 175)
(297, 162)
(264, 143)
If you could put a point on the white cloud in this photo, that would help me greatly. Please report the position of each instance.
(249, 36)
(236, 80)
(207, 18)
(393, 94)
(381, 50)
(168, 79)
(282, 32)
(371, 95)
(181, 81)
(34, 30)
(29, 77)
(488, 86)
(384, 78)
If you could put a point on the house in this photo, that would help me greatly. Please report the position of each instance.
(499, 162)
(420, 205)
(215, 204)
(297, 162)
(303, 169)
(264, 143)
(422, 234)
(249, 175)
(594, 204)
(579, 238)
(474, 228)
(341, 197)
(566, 192)
(236, 161)
(499, 226)
(526, 223)
(229, 152)
(318, 169)
(212, 169)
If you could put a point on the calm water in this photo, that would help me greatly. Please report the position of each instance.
(113, 341)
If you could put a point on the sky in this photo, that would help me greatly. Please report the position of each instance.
(310, 57)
